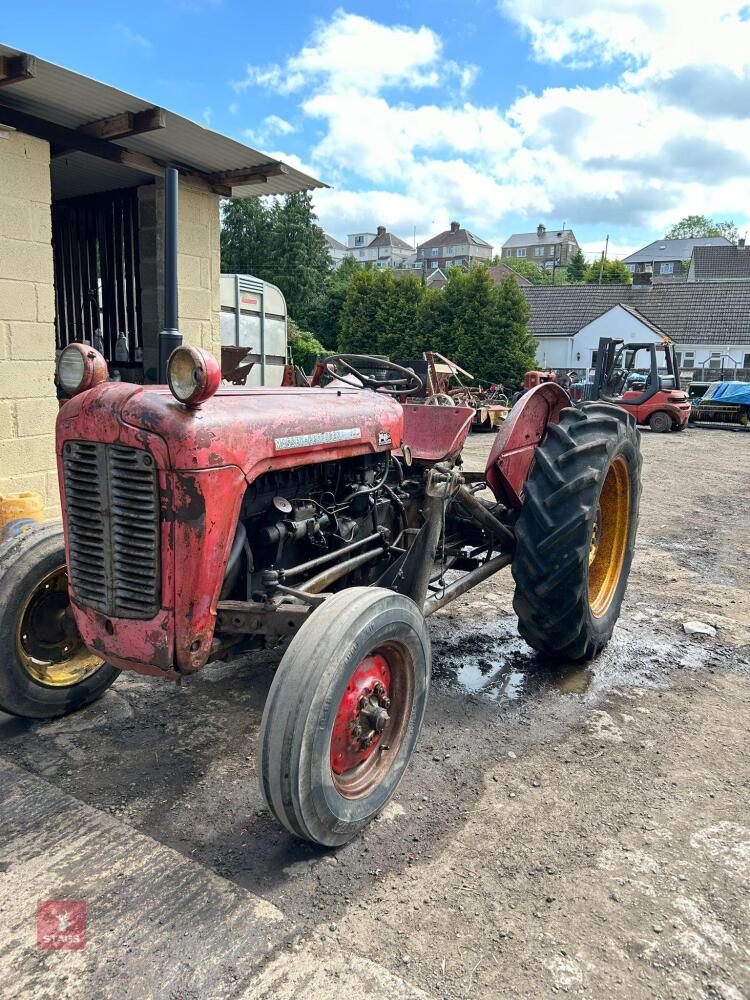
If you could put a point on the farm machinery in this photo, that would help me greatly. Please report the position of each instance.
(722, 403)
(200, 521)
(655, 400)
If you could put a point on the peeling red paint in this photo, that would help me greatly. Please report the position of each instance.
(205, 458)
(514, 446)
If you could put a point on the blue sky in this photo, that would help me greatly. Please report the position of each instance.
(614, 116)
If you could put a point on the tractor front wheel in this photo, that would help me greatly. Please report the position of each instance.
(45, 669)
(576, 532)
(344, 713)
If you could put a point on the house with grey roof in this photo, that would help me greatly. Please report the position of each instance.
(455, 247)
(709, 322)
(336, 250)
(380, 249)
(720, 263)
(547, 248)
(665, 259)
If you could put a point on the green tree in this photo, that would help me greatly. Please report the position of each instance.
(485, 327)
(516, 353)
(528, 269)
(246, 237)
(328, 314)
(613, 273)
(576, 268)
(357, 326)
(304, 347)
(699, 226)
(278, 240)
(299, 255)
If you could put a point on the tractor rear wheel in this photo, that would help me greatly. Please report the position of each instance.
(576, 531)
(45, 669)
(344, 713)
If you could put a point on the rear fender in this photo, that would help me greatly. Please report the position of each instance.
(513, 449)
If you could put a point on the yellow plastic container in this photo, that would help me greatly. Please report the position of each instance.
(18, 512)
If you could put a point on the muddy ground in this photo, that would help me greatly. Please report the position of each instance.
(586, 832)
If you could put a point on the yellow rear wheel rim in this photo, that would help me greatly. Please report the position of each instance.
(609, 537)
(48, 645)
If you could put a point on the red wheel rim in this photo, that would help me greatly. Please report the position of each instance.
(371, 720)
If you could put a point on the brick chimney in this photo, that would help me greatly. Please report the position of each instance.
(455, 226)
(541, 230)
(381, 230)
(642, 279)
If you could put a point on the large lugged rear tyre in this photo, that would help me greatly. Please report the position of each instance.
(45, 670)
(576, 531)
(344, 713)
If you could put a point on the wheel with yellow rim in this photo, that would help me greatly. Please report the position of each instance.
(45, 669)
(576, 531)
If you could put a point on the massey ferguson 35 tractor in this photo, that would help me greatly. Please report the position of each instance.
(202, 520)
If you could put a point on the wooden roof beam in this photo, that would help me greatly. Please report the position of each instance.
(15, 69)
(65, 139)
(248, 175)
(126, 123)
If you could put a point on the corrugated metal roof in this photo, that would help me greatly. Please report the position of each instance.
(66, 98)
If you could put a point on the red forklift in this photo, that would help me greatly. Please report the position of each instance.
(655, 400)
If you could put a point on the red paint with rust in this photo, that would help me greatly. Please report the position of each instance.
(205, 459)
(514, 446)
(346, 748)
(436, 433)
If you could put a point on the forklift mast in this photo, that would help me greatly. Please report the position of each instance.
(615, 360)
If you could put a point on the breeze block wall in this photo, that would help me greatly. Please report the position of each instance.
(198, 267)
(28, 405)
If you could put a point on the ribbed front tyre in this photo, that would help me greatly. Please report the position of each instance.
(344, 713)
(576, 531)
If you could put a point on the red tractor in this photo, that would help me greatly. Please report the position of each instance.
(201, 520)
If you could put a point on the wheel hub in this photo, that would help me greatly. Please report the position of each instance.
(47, 641)
(362, 715)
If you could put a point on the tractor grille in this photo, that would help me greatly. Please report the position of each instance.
(112, 505)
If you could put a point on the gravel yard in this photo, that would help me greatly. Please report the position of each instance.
(583, 832)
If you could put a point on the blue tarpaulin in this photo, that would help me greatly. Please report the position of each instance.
(728, 392)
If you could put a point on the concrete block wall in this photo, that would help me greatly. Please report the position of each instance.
(197, 267)
(28, 405)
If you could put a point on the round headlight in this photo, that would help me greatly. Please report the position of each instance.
(193, 375)
(80, 367)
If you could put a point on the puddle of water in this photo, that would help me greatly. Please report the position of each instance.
(499, 665)
(496, 679)
(576, 680)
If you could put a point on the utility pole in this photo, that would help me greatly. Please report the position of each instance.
(604, 256)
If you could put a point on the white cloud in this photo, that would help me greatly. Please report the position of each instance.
(132, 36)
(353, 54)
(650, 145)
(271, 127)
